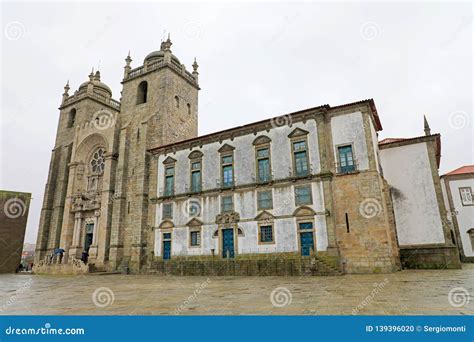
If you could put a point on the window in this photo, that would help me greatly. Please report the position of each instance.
(263, 164)
(471, 237)
(306, 225)
(71, 119)
(142, 92)
(97, 162)
(264, 200)
(466, 196)
(227, 204)
(189, 109)
(346, 159)
(303, 195)
(166, 236)
(300, 158)
(167, 211)
(195, 176)
(266, 234)
(195, 237)
(169, 181)
(227, 171)
(176, 100)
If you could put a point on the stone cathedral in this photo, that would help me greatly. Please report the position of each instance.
(132, 185)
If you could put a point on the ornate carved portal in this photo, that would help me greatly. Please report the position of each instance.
(228, 232)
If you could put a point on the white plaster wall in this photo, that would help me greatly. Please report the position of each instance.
(245, 203)
(465, 214)
(349, 129)
(375, 144)
(407, 170)
(244, 159)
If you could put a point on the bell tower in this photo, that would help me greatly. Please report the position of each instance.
(159, 106)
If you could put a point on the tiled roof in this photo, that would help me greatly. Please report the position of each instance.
(371, 103)
(406, 141)
(461, 170)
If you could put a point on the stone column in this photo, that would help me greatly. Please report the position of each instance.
(93, 249)
(76, 249)
(326, 156)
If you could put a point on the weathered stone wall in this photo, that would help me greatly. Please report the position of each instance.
(14, 208)
(273, 265)
(158, 121)
(365, 238)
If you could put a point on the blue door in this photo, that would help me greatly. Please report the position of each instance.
(166, 250)
(227, 243)
(307, 243)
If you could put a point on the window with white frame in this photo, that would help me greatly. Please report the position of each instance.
(466, 195)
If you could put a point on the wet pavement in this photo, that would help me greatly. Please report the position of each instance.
(409, 292)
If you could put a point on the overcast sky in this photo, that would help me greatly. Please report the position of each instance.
(256, 61)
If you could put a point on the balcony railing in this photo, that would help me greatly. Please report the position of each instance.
(343, 168)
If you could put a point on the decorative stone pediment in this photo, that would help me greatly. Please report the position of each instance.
(195, 155)
(263, 139)
(86, 201)
(264, 216)
(166, 224)
(226, 148)
(297, 132)
(304, 211)
(224, 218)
(194, 222)
(169, 160)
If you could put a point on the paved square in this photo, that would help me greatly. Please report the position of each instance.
(409, 292)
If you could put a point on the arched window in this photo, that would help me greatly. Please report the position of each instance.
(189, 109)
(142, 92)
(71, 118)
(97, 162)
(176, 99)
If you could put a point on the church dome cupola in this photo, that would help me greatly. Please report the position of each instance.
(95, 85)
(160, 55)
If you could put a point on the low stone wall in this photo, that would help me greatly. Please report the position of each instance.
(242, 267)
(75, 267)
(430, 257)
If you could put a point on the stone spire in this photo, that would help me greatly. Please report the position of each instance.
(90, 86)
(166, 45)
(427, 126)
(97, 76)
(166, 48)
(127, 66)
(66, 91)
(195, 70)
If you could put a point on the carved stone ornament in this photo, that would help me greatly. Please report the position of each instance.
(225, 218)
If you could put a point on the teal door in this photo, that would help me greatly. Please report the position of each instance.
(166, 250)
(307, 243)
(227, 243)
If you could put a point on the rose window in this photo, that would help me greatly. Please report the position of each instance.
(98, 161)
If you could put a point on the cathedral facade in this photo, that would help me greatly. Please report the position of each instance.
(131, 182)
